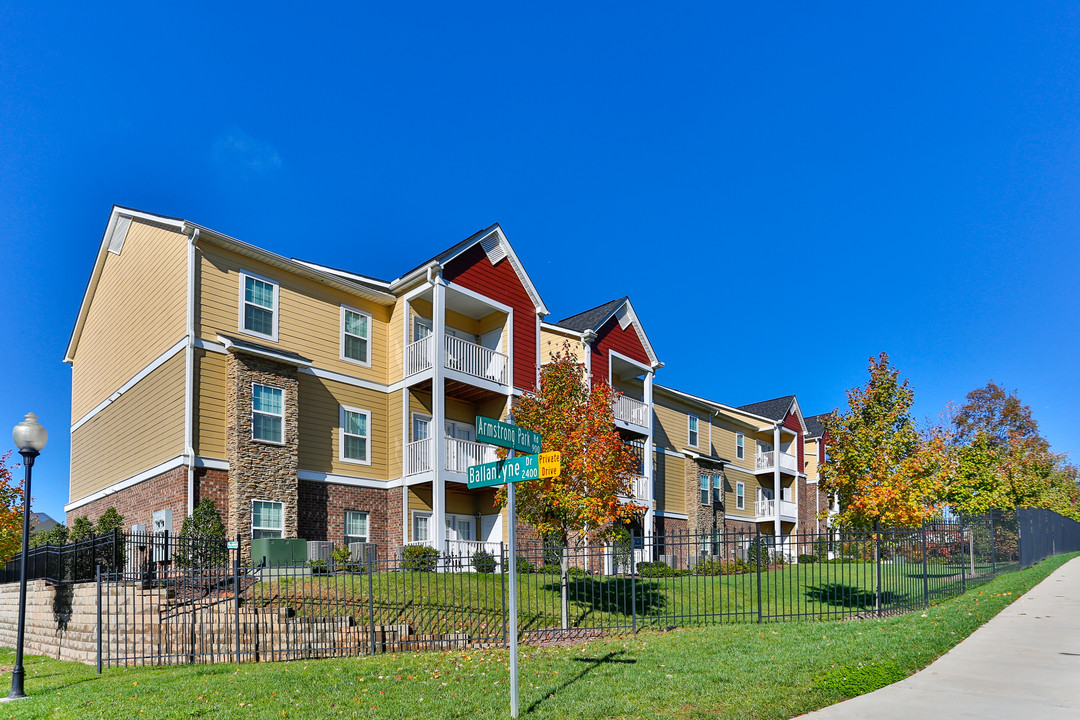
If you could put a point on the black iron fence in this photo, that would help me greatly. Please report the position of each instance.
(172, 600)
(1044, 533)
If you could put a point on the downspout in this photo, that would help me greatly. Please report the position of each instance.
(189, 376)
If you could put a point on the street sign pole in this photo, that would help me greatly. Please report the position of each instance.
(510, 502)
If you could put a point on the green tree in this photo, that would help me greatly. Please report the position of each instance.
(202, 539)
(880, 466)
(997, 416)
(109, 522)
(81, 529)
(597, 468)
(56, 535)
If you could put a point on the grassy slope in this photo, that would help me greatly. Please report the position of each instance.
(730, 671)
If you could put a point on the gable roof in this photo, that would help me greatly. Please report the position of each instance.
(595, 318)
(775, 409)
(814, 428)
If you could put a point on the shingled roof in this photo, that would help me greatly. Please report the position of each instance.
(775, 409)
(814, 426)
(591, 319)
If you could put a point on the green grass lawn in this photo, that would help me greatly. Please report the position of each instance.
(729, 671)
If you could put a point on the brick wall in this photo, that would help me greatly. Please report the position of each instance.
(213, 484)
(137, 504)
(322, 509)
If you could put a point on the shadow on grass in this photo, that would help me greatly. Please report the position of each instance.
(613, 594)
(590, 665)
(848, 596)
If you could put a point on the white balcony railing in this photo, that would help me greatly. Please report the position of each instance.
(767, 508)
(419, 356)
(631, 411)
(476, 360)
(462, 356)
(460, 454)
(641, 488)
(418, 457)
(766, 460)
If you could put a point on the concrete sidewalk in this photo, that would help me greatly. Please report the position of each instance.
(1024, 663)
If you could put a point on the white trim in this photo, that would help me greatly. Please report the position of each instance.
(343, 273)
(362, 363)
(613, 353)
(665, 451)
(560, 329)
(342, 409)
(251, 517)
(212, 463)
(672, 515)
(429, 514)
(740, 449)
(353, 480)
(166, 466)
(154, 365)
(737, 484)
(695, 431)
(211, 346)
(275, 310)
(349, 380)
(189, 375)
(345, 526)
(264, 412)
(277, 357)
(478, 297)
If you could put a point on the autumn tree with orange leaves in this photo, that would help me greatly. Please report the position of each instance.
(11, 507)
(880, 466)
(577, 420)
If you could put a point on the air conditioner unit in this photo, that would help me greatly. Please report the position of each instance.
(364, 552)
(319, 550)
(672, 560)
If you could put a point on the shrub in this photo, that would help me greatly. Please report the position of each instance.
(808, 559)
(483, 561)
(419, 558)
(657, 569)
(524, 566)
(56, 535)
(318, 567)
(851, 681)
(202, 539)
(821, 548)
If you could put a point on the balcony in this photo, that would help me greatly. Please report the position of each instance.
(462, 356)
(460, 454)
(641, 488)
(631, 411)
(767, 509)
(765, 461)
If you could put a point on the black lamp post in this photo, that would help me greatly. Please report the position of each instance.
(30, 438)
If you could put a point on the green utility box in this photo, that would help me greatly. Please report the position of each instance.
(277, 552)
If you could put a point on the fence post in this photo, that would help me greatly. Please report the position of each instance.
(98, 632)
(993, 546)
(371, 598)
(633, 583)
(116, 550)
(502, 557)
(925, 567)
(236, 596)
(877, 566)
(757, 561)
(963, 575)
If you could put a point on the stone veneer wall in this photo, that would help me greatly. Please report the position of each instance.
(61, 621)
(322, 509)
(260, 470)
(701, 518)
(137, 503)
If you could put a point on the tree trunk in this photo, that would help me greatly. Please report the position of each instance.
(564, 589)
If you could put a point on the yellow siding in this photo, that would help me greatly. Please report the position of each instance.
(552, 342)
(320, 432)
(210, 379)
(309, 313)
(419, 500)
(670, 427)
(670, 480)
(810, 456)
(395, 346)
(142, 428)
(138, 311)
(733, 476)
(395, 443)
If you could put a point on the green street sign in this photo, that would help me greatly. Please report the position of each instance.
(500, 472)
(506, 435)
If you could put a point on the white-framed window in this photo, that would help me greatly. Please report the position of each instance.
(355, 336)
(740, 495)
(267, 519)
(356, 526)
(740, 446)
(421, 527)
(267, 413)
(355, 435)
(717, 488)
(258, 306)
(704, 489)
(692, 430)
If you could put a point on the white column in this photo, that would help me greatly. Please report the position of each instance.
(776, 481)
(438, 412)
(649, 457)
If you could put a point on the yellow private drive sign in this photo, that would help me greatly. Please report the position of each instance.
(550, 464)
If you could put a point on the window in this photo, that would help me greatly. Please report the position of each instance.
(717, 488)
(421, 526)
(704, 489)
(258, 306)
(692, 426)
(740, 446)
(267, 413)
(354, 435)
(267, 519)
(356, 527)
(740, 496)
(355, 336)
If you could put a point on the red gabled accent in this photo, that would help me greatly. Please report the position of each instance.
(473, 270)
(791, 422)
(612, 337)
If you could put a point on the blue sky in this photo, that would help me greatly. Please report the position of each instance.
(783, 190)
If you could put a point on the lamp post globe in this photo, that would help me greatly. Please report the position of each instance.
(30, 438)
